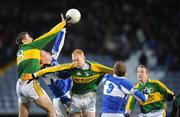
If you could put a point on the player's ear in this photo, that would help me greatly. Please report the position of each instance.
(23, 40)
(84, 57)
(126, 74)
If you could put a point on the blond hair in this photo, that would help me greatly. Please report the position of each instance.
(78, 52)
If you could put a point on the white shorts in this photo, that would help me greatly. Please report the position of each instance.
(156, 113)
(28, 91)
(83, 102)
(61, 110)
(112, 115)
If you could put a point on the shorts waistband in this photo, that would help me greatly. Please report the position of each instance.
(84, 95)
(26, 77)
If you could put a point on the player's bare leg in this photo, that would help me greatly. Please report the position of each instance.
(78, 114)
(45, 103)
(23, 109)
(89, 114)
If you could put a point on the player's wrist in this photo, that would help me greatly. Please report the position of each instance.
(34, 75)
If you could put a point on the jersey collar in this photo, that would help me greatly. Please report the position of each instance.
(114, 75)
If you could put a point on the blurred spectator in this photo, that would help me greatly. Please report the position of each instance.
(143, 58)
(128, 25)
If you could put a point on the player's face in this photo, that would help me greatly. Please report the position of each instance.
(27, 39)
(78, 60)
(142, 74)
(45, 57)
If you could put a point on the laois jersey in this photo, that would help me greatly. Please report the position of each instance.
(116, 92)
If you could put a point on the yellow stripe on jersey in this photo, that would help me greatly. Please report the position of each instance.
(130, 99)
(129, 102)
(86, 79)
(54, 30)
(37, 88)
(54, 69)
(162, 85)
(28, 54)
(153, 97)
(101, 68)
(137, 85)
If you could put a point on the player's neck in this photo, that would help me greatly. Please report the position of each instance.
(144, 81)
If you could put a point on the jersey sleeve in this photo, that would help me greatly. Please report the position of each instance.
(128, 88)
(54, 69)
(43, 40)
(167, 93)
(101, 68)
(57, 47)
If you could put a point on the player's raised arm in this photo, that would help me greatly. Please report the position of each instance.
(57, 47)
(43, 40)
(72, 16)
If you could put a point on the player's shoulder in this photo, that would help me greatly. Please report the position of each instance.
(91, 62)
(125, 81)
(154, 81)
(108, 75)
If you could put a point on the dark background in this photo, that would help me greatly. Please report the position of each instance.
(109, 30)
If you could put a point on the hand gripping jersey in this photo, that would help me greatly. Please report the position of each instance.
(116, 92)
(158, 94)
(28, 55)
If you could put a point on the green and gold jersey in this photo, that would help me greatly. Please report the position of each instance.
(83, 80)
(157, 96)
(28, 55)
(87, 80)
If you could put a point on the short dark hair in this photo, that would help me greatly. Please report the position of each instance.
(145, 67)
(120, 68)
(20, 38)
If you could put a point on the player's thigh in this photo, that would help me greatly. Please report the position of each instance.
(89, 114)
(23, 109)
(76, 114)
(44, 102)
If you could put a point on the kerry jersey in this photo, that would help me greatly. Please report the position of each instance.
(157, 96)
(28, 55)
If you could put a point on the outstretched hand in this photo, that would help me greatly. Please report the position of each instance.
(68, 20)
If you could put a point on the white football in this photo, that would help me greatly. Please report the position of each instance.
(74, 14)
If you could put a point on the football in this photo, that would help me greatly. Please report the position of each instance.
(74, 14)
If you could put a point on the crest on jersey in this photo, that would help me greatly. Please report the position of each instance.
(78, 74)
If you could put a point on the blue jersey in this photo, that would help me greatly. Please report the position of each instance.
(60, 88)
(116, 92)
